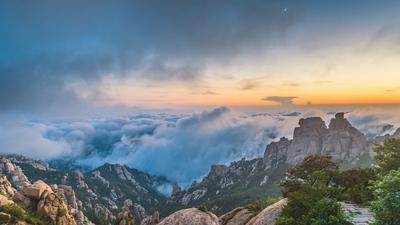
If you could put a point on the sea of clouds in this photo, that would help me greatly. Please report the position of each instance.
(180, 146)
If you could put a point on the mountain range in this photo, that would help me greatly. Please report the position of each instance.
(100, 195)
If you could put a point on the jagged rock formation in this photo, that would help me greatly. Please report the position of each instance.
(101, 194)
(39, 198)
(125, 218)
(241, 182)
(6, 188)
(192, 216)
(340, 140)
(245, 181)
(269, 214)
(397, 133)
(14, 174)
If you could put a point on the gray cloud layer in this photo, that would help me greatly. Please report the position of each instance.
(180, 146)
(47, 45)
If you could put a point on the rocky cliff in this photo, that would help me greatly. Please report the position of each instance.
(244, 181)
(340, 140)
(100, 196)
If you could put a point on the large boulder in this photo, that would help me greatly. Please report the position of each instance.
(5, 201)
(191, 216)
(5, 187)
(37, 190)
(13, 173)
(238, 216)
(55, 210)
(269, 214)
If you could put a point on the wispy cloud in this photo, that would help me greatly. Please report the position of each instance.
(282, 100)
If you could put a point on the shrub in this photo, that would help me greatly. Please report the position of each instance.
(388, 155)
(354, 185)
(386, 205)
(203, 208)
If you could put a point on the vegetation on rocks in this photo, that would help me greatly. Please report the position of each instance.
(17, 213)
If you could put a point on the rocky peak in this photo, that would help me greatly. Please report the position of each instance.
(343, 141)
(176, 188)
(340, 139)
(13, 173)
(6, 188)
(218, 170)
(339, 122)
(276, 152)
(397, 132)
(41, 197)
(38, 164)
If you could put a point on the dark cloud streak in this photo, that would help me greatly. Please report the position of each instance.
(47, 44)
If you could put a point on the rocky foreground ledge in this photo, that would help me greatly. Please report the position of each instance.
(239, 216)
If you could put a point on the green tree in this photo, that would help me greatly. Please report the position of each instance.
(388, 155)
(316, 171)
(386, 205)
(327, 212)
(309, 187)
(353, 185)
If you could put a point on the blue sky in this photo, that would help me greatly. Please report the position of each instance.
(61, 56)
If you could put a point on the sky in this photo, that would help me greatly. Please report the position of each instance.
(173, 86)
(66, 56)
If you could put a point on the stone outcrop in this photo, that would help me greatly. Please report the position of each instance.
(397, 133)
(6, 187)
(125, 218)
(340, 140)
(268, 215)
(151, 220)
(191, 216)
(276, 152)
(238, 216)
(343, 141)
(74, 205)
(5, 201)
(38, 198)
(55, 210)
(13, 173)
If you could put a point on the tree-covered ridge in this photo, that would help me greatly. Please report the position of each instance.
(315, 187)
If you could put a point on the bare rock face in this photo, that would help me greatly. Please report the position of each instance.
(343, 141)
(55, 209)
(5, 201)
(238, 216)
(307, 139)
(190, 216)
(42, 198)
(5, 187)
(340, 140)
(102, 211)
(125, 218)
(397, 133)
(74, 205)
(269, 214)
(151, 220)
(135, 209)
(14, 174)
(276, 152)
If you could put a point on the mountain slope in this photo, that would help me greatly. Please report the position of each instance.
(244, 181)
(107, 190)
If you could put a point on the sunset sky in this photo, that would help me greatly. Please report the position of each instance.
(157, 54)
